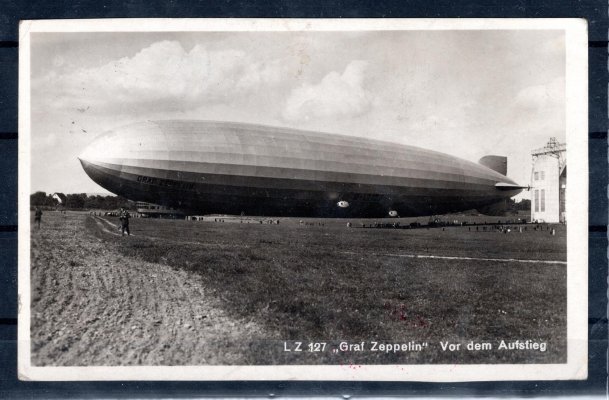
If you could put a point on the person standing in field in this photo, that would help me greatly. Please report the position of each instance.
(38, 216)
(124, 218)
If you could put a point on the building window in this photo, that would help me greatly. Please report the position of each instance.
(536, 199)
(542, 175)
(536, 176)
(543, 200)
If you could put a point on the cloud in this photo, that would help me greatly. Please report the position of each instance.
(336, 95)
(545, 96)
(554, 45)
(161, 76)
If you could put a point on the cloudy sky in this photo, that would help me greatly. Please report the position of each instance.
(465, 93)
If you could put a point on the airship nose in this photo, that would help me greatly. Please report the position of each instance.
(99, 150)
(101, 157)
(86, 165)
(104, 160)
(120, 144)
(90, 157)
(91, 161)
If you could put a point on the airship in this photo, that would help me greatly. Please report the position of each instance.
(212, 167)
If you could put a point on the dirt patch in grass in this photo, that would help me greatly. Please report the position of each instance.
(90, 305)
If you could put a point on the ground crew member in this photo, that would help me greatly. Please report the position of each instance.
(124, 218)
(38, 216)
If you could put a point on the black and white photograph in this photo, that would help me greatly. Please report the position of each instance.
(303, 199)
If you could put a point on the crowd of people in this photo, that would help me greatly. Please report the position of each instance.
(519, 225)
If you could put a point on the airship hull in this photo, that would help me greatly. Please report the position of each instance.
(214, 167)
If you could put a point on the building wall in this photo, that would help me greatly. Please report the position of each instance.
(563, 194)
(545, 190)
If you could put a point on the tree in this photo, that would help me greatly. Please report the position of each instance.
(38, 199)
(81, 200)
(524, 205)
(76, 200)
(94, 202)
(41, 199)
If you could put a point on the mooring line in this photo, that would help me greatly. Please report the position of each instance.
(463, 258)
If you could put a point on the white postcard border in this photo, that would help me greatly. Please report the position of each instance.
(577, 211)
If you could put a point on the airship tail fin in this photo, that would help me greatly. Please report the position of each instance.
(496, 163)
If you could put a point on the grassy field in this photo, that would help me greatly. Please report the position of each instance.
(330, 283)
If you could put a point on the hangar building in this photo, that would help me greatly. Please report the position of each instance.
(549, 183)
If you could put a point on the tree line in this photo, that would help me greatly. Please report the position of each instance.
(80, 201)
(522, 205)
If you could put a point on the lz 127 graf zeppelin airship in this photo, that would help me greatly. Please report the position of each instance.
(209, 167)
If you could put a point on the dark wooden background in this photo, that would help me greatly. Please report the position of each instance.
(12, 11)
